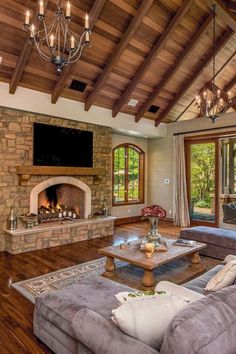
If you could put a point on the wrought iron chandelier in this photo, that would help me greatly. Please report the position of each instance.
(56, 42)
(213, 102)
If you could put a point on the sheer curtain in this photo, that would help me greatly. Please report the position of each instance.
(180, 209)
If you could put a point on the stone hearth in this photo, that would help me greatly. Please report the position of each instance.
(51, 235)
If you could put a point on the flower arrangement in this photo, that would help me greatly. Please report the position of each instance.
(154, 211)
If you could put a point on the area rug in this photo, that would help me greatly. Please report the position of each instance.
(176, 271)
(59, 279)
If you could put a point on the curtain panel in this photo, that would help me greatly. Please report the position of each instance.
(180, 202)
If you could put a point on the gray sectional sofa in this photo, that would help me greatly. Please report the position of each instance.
(220, 242)
(77, 320)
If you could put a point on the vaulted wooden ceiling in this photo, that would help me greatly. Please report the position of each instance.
(157, 52)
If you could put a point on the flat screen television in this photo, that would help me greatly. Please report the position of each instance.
(58, 146)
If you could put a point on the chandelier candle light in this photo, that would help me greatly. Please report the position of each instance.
(56, 42)
(213, 102)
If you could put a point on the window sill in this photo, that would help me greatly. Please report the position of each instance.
(127, 203)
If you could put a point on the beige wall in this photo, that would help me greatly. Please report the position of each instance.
(131, 210)
(160, 156)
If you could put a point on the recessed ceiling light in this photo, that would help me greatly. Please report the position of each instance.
(0, 60)
(133, 102)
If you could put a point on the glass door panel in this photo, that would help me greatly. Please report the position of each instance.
(203, 182)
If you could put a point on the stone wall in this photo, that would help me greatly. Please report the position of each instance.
(16, 138)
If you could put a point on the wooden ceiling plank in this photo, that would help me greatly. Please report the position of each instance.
(158, 46)
(132, 28)
(226, 88)
(68, 70)
(175, 67)
(224, 13)
(24, 56)
(197, 72)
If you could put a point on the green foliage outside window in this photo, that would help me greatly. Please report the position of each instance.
(126, 174)
(202, 174)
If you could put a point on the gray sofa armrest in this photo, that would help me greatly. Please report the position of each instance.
(102, 336)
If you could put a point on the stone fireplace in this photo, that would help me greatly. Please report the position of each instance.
(22, 189)
(62, 191)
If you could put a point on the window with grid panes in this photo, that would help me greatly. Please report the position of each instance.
(128, 175)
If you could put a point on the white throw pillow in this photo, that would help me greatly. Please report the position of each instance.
(229, 258)
(223, 278)
(179, 291)
(148, 319)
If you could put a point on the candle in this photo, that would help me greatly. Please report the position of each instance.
(86, 21)
(51, 43)
(27, 18)
(68, 9)
(204, 95)
(41, 8)
(72, 42)
(218, 93)
(87, 37)
(32, 31)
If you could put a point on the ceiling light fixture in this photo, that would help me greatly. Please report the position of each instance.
(56, 42)
(133, 102)
(213, 102)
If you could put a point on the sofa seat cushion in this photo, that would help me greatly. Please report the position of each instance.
(87, 324)
(200, 283)
(210, 325)
(95, 293)
(211, 235)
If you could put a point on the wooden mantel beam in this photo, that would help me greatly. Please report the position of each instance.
(129, 33)
(197, 72)
(223, 12)
(158, 46)
(68, 70)
(24, 56)
(175, 67)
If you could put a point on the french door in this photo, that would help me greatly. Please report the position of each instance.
(202, 160)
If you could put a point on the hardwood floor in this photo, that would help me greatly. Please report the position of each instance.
(16, 312)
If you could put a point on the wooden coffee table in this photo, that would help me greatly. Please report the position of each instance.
(134, 256)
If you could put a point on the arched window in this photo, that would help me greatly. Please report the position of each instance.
(128, 175)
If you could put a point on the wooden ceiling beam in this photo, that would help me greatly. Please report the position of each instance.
(196, 73)
(24, 56)
(175, 67)
(158, 46)
(224, 13)
(68, 70)
(231, 5)
(231, 84)
(132, 28)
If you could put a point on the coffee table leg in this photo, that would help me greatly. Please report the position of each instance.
(148, 278)
(110, 265)
(195, 258)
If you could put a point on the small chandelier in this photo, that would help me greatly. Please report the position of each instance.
(55, 42)
(213, 102)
